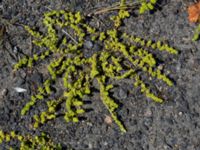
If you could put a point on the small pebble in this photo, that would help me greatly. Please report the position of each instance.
(148, 113)
(122, 94)
(97, 47)
(90, 146)
(148, 122)
(19, 81)
(180, 113)
(4, 92)
(19, 89)
(22, 74)
(37, 78)
(88, 44)
(108, 120)
(15, 49)
(105, 143)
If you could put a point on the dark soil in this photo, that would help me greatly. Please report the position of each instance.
(173, 125)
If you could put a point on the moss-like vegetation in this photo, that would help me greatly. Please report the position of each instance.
(28, 142)
(77, 71)
(64, 39)
(147, 5)
(196, 33)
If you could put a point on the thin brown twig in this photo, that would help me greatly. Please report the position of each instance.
(130, 5)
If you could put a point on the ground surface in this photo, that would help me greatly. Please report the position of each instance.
(172, 125)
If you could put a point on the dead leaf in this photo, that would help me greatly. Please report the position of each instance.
(194, 12)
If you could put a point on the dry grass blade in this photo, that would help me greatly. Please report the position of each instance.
(129, 5)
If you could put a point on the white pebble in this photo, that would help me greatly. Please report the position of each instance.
(19, 90)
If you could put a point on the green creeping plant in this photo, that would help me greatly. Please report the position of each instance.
(196, 33)
(64, 40)
(147, 5)
(28, 142)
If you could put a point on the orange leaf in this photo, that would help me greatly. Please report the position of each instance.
(194, 12)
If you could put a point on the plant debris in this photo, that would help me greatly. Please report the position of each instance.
(194, 12)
